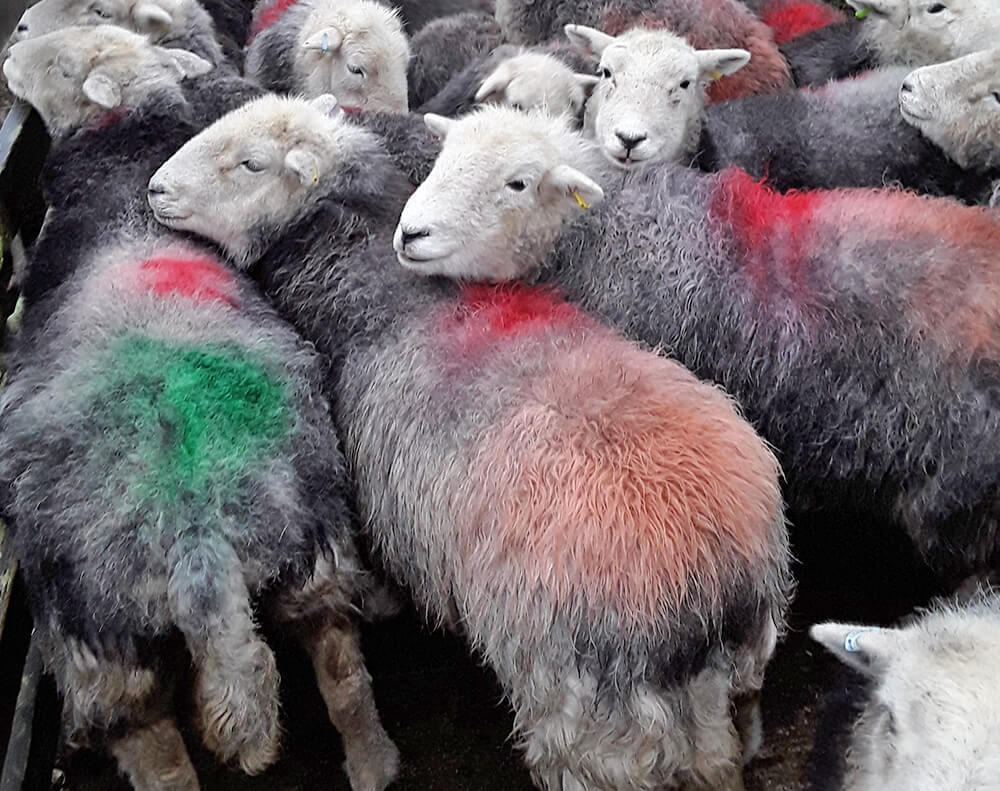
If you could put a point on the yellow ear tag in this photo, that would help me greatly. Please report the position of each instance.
(716, 75)
(580, 201)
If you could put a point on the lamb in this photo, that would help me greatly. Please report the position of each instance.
(355, 49)
(168, 453)
(846, 134)
(623, 604)
(181, 24)
(547, 78)
(797, 304)
(705, 24)
(925, 712)
(445, 47)
(894, 32)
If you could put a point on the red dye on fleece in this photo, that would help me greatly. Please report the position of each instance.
(790, 19)
(267, 15)
(200, 278)
(773, 231)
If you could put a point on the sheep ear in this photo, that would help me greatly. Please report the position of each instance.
(586, 81)
(327, 104)
(329, 39)
(438, 124)
(151, 18)
(716, 63)
(588, 38)
(102, 90)
(496, 83)
(187, 63)
(303, 164)
(865, 648)
(565, 182)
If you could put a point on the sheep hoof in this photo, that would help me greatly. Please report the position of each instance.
(375, 770)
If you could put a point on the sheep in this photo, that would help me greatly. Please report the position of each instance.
(651, 93)
(923, 712)
(418, 14)
(479, 423)
(894, 32)
(181, 24)
(161, 422)
(355, 49)
(847, 134)
(445, 47)
(800, 305)
(956, 105)
(546, 78)
(789, 19)
(705, 24)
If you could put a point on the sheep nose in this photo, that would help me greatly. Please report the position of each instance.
(630, 141)
(22, 28)
(157, 188)
(408, 236)
(907, 87)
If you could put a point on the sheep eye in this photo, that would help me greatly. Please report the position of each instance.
(251, 165)
(517, 185)
(937, 8)
(996, 95)
(100, 12)
(355, 70)
(606, 73)
(685, 85)
(517, 106)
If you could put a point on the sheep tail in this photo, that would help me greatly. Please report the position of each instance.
(236, 689)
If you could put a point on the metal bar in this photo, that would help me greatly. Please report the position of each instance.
(15, 764)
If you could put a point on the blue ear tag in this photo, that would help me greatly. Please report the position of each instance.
(851, 641)
(326, 43)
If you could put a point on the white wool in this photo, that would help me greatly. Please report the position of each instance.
(647, 106)
(154, 17)
(535, 80)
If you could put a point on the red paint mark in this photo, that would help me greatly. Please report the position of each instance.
(790, 19)
(110, 118)
(350, 109)
(773, 231)
(200, 278)
(267, 15)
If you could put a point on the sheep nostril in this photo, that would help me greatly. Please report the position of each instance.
(630, 141)
(22, 28)
(907, 87)
(157, 188)
(409, 236)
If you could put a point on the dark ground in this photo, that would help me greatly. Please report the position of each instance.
(446, 715)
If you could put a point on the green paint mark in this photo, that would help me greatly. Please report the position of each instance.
(195, 419)
(862, 13)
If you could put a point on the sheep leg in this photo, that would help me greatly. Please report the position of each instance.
(717, 747)
(749, 724)
(372, 758)
(236, 689)
(154, 758)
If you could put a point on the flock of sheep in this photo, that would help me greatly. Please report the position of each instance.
(528, 356)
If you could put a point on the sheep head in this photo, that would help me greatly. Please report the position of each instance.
(535, 80)
(648, 103)
(254, 170)
(921, 32)
(140, 16)
(357, 50)
(956, 105)
(75, 75)
(498, 195)
(934, 710)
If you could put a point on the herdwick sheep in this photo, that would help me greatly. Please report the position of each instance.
(180, 24)
(546, 78)
(355, 49)
(845, 134)
(858, 328)
(651, 92)
(167, 454)
(924, 711)
(445, 47)
(789, 19)
(704, 23)
(417, 14)
(605, 529)
(894, 32)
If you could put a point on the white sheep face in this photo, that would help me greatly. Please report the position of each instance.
(933, 721)
(141, 16)
(356, 50)
(498, 194)
(535, 80)
(647, 105)
(256, 166)
(956, 105)
(921, 32)
(75, 75)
